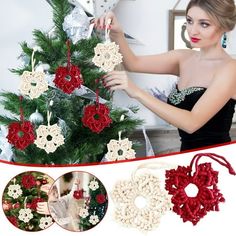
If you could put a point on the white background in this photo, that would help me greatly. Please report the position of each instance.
(214, 223)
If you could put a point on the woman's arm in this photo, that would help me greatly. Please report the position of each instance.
(165, 63)
(216, 96)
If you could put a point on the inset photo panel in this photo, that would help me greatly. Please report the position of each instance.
(25, 201)
(78, 201)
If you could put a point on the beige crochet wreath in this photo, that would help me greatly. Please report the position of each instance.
(146, 217)
(107, 56)
(33, 84)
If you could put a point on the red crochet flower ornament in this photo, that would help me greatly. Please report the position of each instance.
(205, 179)
(28, 181)
(78, 194)
(100, 198)
(68, 78)
(96, 117)
(13, 220)
(21, 134)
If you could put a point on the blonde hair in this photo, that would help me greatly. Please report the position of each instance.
(222, 11)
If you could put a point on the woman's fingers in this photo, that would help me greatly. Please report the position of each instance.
(42, 208)
(45, 187)
(104, 20)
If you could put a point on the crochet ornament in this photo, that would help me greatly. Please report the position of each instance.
(120, 149)
(45, 222)
(25, 215)
(21, 134)
(49, 137)
(68, 78)
(80, 208)
(33, 83)
(96, 116)
(21, 198)
(140, 202)
(93, 219)
(14, 190)
(204, 179)
(107, 54)
(79, 193)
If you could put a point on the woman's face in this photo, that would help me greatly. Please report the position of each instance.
(203, 31)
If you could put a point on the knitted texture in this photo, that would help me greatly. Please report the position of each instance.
(146, 218)
(96, 117)
(205, 179)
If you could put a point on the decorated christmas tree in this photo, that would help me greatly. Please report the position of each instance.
(95, 206)
(20, 199)
(62, 114)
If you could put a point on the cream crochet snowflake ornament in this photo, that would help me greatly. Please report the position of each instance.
(93, 185)
(45, 222)
(83, 213)
(14, 190)
(120, 149)
(107, 54)
(33, 83)
(49, 137)
(140, 202)
(93, 219)
(25, 215)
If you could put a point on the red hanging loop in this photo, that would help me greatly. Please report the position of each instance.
(220, 159)
(97, 92)
(68, 54)
(21, 110)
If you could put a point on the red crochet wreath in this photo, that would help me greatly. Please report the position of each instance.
(68, 78)
(100, 198)
(205, 178)
(96, 117)
(78, 194)
(28, 181)
(21, 134)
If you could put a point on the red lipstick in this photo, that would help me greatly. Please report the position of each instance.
(195, 40)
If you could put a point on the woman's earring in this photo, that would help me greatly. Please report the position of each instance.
(224, 40)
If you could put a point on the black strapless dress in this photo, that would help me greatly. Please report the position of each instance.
(215, 131)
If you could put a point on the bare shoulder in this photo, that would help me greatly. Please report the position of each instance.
(183, 53)
(226, 74)
(229, 67)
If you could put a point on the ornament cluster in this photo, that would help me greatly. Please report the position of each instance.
(20, 199)
(140, 202)
(155, 201)
(86, 202)
(68, 78)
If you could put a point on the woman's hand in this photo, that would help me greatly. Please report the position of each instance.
(45, 188)
(116, 80)
(42, 208)
(115, 28)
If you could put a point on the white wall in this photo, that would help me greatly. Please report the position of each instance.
(146, 20)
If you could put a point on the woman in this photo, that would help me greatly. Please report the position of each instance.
(202, 105)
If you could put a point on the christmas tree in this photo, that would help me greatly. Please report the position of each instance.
(81, 201)
(77, 142)
(96, 207)
(20, 199)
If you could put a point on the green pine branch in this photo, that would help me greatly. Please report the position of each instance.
(61, 8)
